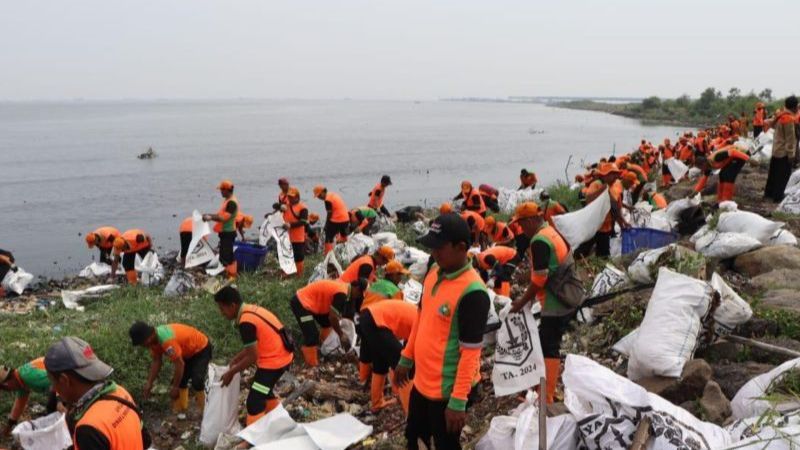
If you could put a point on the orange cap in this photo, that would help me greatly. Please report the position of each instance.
(386, 252)
(527, 210)
(91, 240)
(394, 266)
(445, 208)
(318, 190)
(293, 192)
(226, 185)
(313, 218)
(119, 244)
(247, 221)
(489, 222)
(607, 168)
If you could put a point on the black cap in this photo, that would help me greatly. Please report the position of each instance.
(446, 228)
(386, 179)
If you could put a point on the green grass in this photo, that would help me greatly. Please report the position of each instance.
(561, 193)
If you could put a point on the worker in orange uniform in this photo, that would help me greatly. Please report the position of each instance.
(473, 201)
(324, 302)
(667, 152)
(548, 253)
(550, 207)
(185, 234)
(607, 184)
(101, 415)
(366, 266)
(784, 150)
(498, 265)
(382, 326)
(388, 287)
(7, 264)
(655, 199)
(444, 347)
(283, 195)
(225, 226)
(527, 179)
(30, 377)
(730, 162)
(376, 196)
(338, 218)
(129, 244)
(190, 352)
(295, 218)
(476, 225)
(267, 344)
(497, 232)
(103, 238)
(640, 175)
(243, 222)
(759, 119)
(363, 219)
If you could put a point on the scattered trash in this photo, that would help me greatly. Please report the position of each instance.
(179, 284)
(74, 299)
(16, 280)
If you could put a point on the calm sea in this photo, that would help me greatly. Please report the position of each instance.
(70, 167)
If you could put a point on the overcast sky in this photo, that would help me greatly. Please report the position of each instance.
(403, 49)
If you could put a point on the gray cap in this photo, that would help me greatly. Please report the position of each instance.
(71, 353)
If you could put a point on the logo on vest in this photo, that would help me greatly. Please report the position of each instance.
(444, 310)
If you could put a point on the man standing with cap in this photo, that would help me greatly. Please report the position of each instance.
(101, 415)
(226, 226)
(376, 196)
(338, 218)
(103, 239)
(444, 347)
(295, 216)
(547, 252)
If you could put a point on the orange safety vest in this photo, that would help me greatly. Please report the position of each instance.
(397, 317)
(658, 201)
(339, 212)
(500, 233)
(351, 273)
(317, 297)
(131, 244)
(376, 197)
(272, 353)
(118, 423)
(107, 236)
(228, 223)
(501, 253)
(474, 200)
(724, 156)
(758, 118)
(551, 210)
(297, 235)
(186, 225)
(559, 250)
(480, 224)
(436, 350)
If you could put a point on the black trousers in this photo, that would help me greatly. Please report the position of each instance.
(379, 346)
(601, 240)
(226, 239)
(129, 259)
(299, 251)
(551, 331)
(105, 255)
(780, 169)
(307, 322)
(196, 369)
(263, 389)
(426, 421)
(186, 239)
(757, 129)
(4, 271)
(334, 228)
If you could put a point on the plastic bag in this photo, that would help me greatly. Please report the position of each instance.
(748, 223)
(668, 333)
(45, 433)
(214, 267)
(677, 168)
(412, 291)
(609, 407)
(202, 253)
(749, 401)
(420, 227)
(518, 358)
(732, 311)
(150, 269)
(624, 345)
(17, 281)
(332, 344)
(179, 284)
(274, 426)
(284, 249)
(72, 299)
(321, 270)
(646, 264)
(222, 406)
(356, 245)
(98, 269)
(200, 229)
(509, 199)
(580, 226)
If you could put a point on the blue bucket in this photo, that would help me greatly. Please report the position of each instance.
(249, 257)
(645, 238)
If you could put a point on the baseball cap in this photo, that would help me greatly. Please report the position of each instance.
(394, 266)
(318, 189)
(72, 353)
(293, 192)
(91, 240)
(449, 227)
(226, 185)
(607, 168)
(386, 179)
(386, 252)
(526, 210)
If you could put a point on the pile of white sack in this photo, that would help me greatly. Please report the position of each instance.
(739, 232)
(791, 201)
(509, 199)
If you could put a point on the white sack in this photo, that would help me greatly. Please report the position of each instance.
(17, 281)
(200, 229)
(609, 407)
(677, 168)
(151, 272)
(509, 199)
(518, 358)
(412, 291)
(668, 333)
(283, 245)
(221, 411)
(783, 237)
(749, 402)
(732, 311)
(579, 226)
(609, 280)
(202, 253)
(694, 173)
(794, 183)
(278, 431)
(274, 426)
(98, 269)
(179, 284)
(714, 244)
(45, 433)
(72, 299)
(675, 208)
(748, 223)
(625, 345)
(321, 270)
(790, 203)
(214, 267)
(646, 264)
(333, 344)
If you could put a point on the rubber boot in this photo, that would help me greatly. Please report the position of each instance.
(299, 266)
(376, 393)
(181, 403)
(132, 277)
(364, 372)
(200, 400)
(553, 371)
(731, 191)
(324, 333)
(328, 248)
(310, 356)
